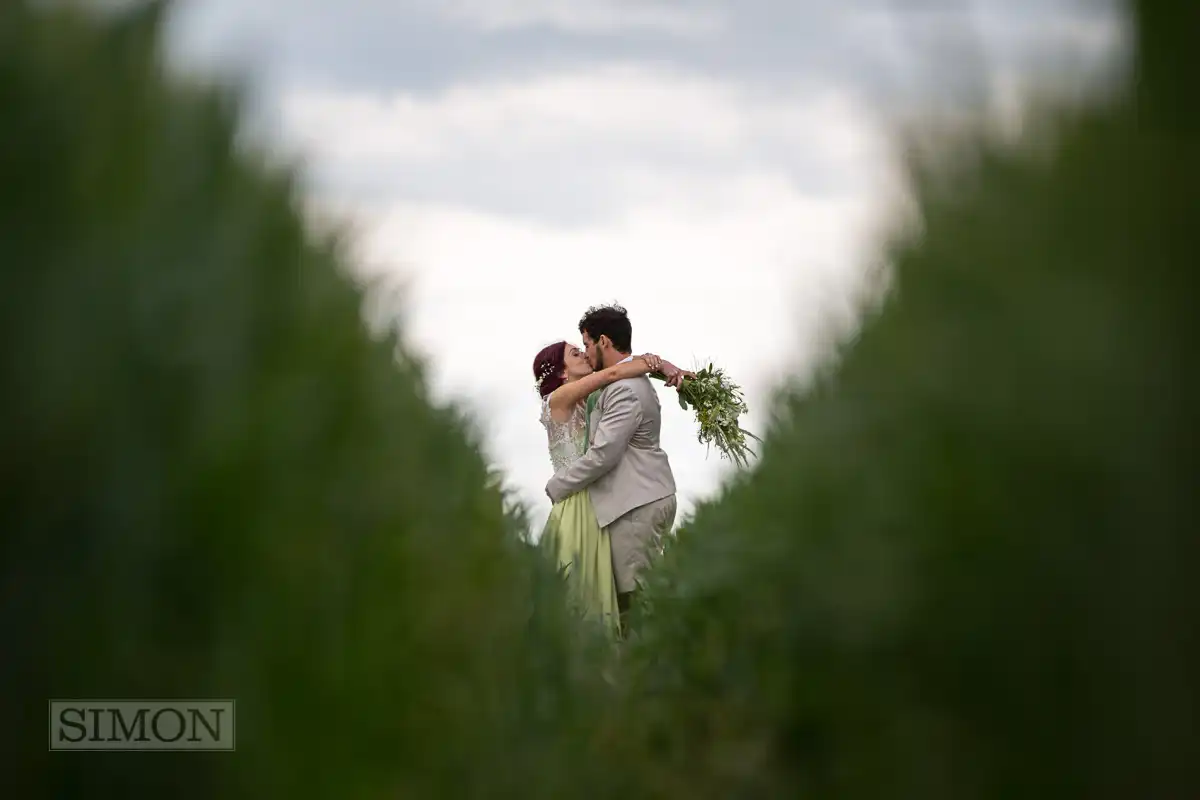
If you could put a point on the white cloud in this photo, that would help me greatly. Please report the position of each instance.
(592, 142)
(717, 253)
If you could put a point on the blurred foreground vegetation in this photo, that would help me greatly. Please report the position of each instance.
(962, 568)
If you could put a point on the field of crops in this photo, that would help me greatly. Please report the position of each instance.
(963, 567)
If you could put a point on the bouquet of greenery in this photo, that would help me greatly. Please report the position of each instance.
(718, 404)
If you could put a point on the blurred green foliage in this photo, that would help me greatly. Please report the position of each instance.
(215, 484)
(966, 563)
(963, 566)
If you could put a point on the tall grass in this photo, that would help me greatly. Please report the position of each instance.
(962, 567)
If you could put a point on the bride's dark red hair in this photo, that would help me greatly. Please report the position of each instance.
(548, 366)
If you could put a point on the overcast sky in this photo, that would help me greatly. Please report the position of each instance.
(718, 167)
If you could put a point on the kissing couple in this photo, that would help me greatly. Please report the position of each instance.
(613, 491)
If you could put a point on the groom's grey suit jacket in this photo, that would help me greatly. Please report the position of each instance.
(624, 467)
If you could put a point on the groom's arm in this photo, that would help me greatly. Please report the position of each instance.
(613, 432)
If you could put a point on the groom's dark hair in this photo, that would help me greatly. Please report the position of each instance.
(611, 321)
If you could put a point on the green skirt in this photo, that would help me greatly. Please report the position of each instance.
(583, 553)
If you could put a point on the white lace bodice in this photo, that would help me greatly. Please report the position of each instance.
(567, 440)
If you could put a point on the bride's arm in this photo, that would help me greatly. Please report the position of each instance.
(565, 397)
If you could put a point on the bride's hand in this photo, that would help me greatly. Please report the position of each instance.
(653, 362)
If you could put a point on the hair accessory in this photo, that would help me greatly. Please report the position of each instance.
(545, 372)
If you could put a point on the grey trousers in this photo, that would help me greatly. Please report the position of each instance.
(636, 538)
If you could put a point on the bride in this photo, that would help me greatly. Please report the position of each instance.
(572, 536)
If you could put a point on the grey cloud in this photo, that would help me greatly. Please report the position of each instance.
(871, 45)
(787, 48)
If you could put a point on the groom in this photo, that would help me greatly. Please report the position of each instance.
(624, 469)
